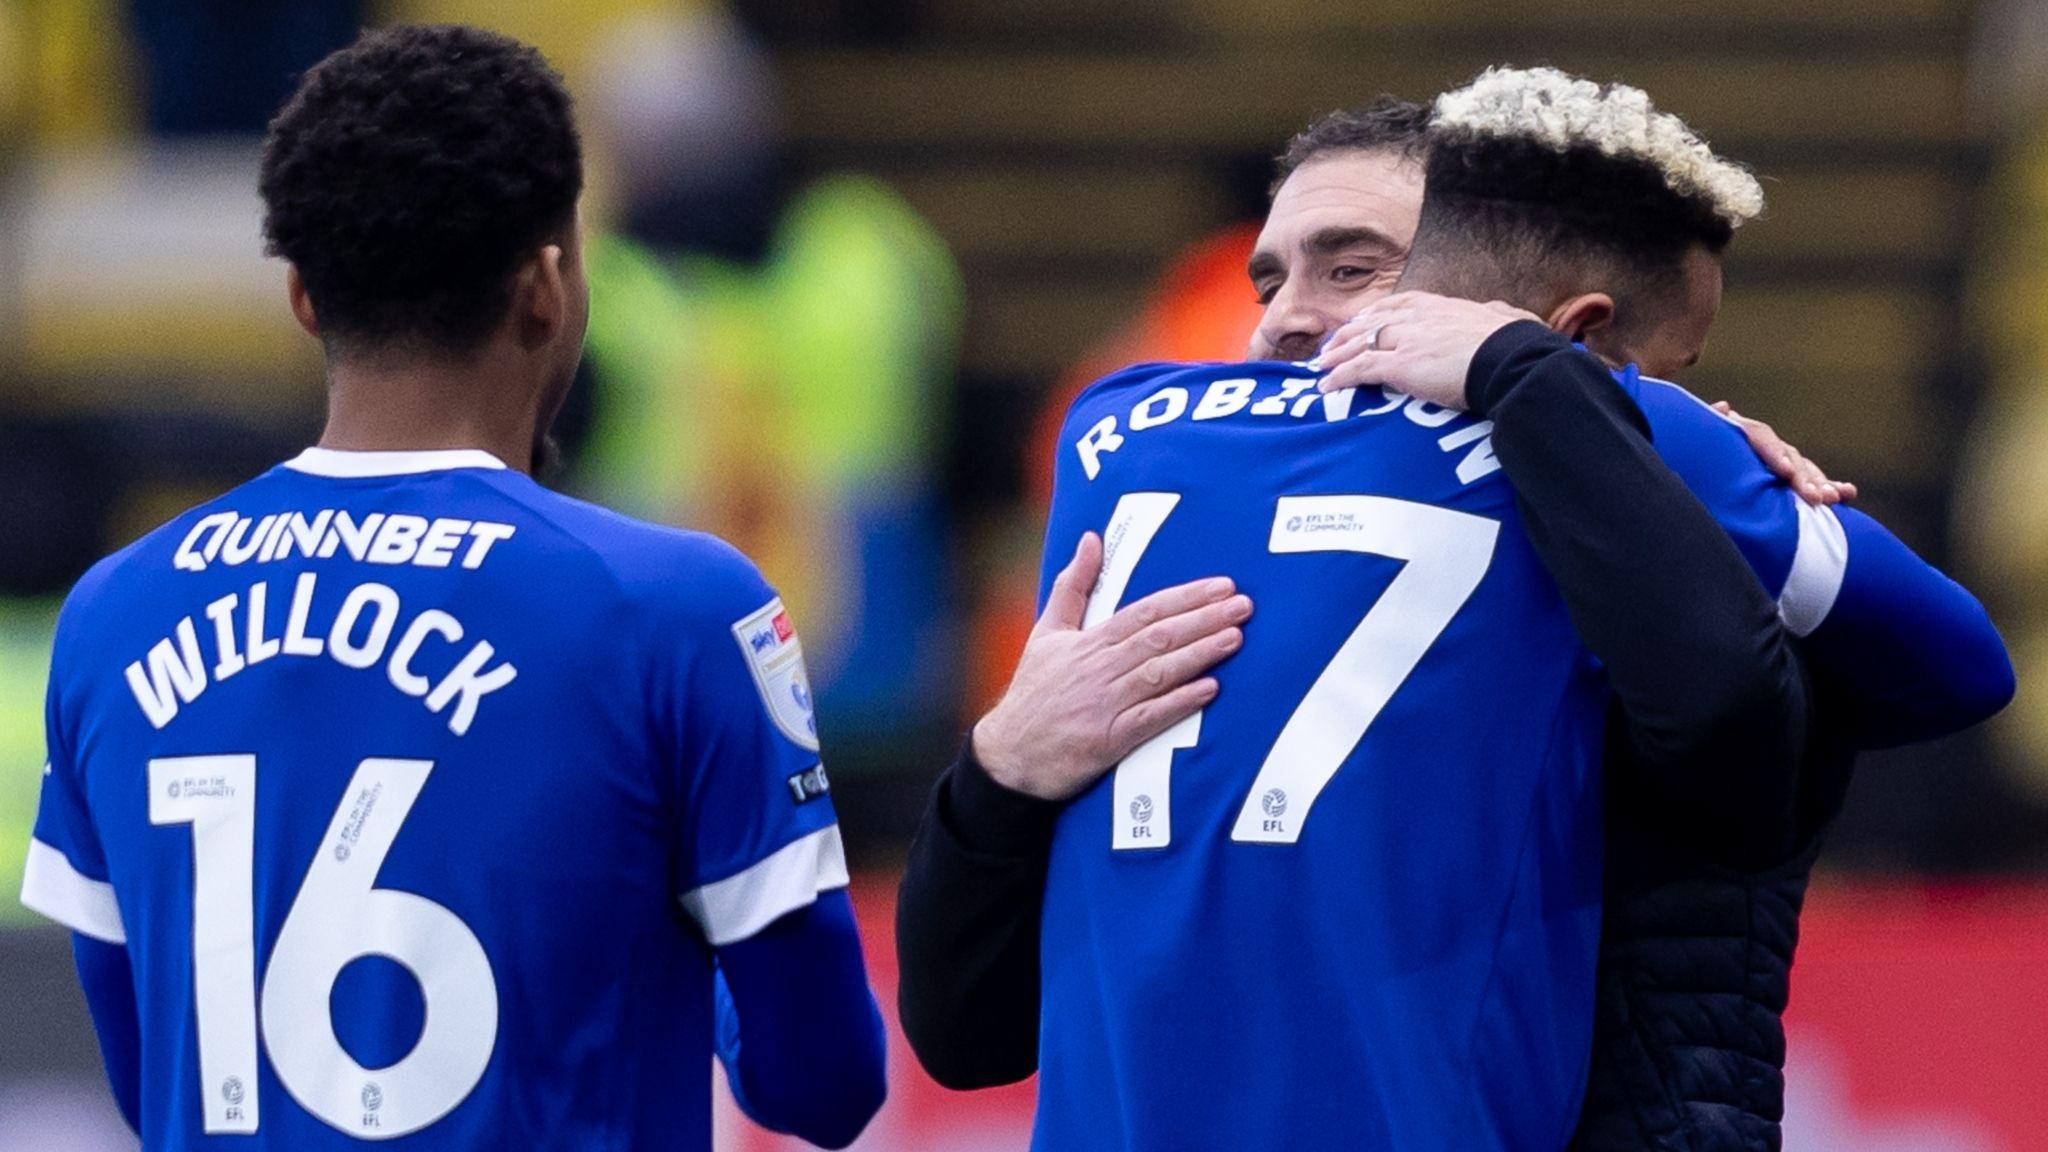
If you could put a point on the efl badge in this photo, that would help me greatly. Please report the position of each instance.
(776, 658)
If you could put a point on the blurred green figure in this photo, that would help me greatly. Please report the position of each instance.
(25, 629)
(772, 359)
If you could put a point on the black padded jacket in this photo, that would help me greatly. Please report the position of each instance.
(1695, 973)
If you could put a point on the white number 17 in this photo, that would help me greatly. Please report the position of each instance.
(1447, 555)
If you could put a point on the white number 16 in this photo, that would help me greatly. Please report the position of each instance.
(339, 916)
(1447, 555)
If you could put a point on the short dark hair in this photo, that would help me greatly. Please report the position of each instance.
(410, 175)
(1388, 124)
(1511, 217)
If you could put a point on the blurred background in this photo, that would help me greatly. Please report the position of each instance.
(849, 261)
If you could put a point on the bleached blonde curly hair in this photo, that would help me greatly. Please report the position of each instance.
(1560, 111)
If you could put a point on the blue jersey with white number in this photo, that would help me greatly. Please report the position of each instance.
(421, 797)
(1355, 902)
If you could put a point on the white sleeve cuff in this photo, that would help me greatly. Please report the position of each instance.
(1818, 566)
(51, 886)
(732, 909)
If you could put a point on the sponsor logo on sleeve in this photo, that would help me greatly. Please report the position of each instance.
(809, 784)
(776, 658)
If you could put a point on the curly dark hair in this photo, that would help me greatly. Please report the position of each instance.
(1512, 218)
(410, 175)
(1388, 124)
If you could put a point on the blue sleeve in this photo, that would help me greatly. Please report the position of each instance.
(1915, 654)
(109, 983)
(799, 1033)
(66, 876)
(1907, 653)
(760, 866)
(758, 837)
(67, 880)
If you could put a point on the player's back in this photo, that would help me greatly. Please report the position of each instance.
(1354, 902)
(409, 786)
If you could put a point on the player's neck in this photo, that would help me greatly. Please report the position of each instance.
(419, 406)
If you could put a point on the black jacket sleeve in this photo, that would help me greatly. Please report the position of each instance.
(967, 921)
(1711, 694)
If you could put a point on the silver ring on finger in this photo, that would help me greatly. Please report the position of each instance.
(1372, 337)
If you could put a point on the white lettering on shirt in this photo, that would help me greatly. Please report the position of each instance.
(174, 671)
(397, 538)
(1294, 398)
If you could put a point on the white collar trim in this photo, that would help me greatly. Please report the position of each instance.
(355, 465)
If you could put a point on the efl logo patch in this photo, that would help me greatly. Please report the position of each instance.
(809, 784)
(776, 658)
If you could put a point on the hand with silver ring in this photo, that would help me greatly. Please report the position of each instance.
(1439, 336)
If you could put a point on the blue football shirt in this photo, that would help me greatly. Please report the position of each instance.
(1354, 903)
(421, 797)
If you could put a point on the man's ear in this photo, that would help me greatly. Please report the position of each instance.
(302, 303)
(540, 299)
(1587, 319)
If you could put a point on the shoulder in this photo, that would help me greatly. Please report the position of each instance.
(1795, 548)
(1706, 449)
(141, 565)
(844, 202)
(1120, 391)
(1672, 408)
(1687, 430)
(1106, 390)
(676, 576)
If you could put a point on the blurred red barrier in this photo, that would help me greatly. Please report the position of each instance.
(1919, 1023)
(1919, 1019)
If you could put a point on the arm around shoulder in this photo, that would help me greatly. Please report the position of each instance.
(1713, 696)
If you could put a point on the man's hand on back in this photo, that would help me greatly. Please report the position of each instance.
(1417, 343)
(1082, 700)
